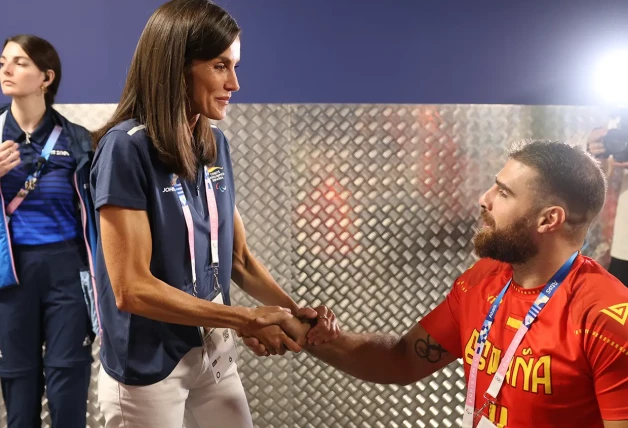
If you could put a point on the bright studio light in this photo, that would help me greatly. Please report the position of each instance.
(611, 77)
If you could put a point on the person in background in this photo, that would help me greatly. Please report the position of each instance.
(619, 245)
(47, 234)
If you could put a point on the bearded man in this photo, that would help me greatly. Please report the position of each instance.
(542, 330)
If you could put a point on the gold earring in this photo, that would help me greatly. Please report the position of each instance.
(44, 88)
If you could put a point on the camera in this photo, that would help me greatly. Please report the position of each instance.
(616, 139)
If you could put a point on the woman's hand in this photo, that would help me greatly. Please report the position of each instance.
(274, 330)
(274, 333)
(9, 156)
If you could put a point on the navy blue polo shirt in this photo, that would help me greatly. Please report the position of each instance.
(127, 172)
(49, 213)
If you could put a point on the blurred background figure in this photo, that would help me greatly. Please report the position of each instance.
(610, 145)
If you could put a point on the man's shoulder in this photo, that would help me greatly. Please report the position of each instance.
(597, 296)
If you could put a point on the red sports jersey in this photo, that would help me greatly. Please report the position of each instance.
(571, 370)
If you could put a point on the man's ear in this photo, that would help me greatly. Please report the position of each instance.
(551, 219)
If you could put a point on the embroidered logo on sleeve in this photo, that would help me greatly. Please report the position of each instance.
(617, 312)
(217, 176)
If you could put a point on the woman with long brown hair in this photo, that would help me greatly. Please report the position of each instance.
(171, 238)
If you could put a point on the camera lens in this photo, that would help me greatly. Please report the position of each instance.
(616, 144)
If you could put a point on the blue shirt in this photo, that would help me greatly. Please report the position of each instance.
(127, 172)
(49, 213)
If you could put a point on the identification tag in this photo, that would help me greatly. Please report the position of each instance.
(220, 347)
(485, 423)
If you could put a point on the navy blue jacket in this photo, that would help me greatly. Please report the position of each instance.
(83, 153)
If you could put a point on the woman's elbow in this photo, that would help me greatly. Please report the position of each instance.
(126, 297)
(124, 302)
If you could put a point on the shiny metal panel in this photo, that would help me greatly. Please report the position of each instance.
(370, 210)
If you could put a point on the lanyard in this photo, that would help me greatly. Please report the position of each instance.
(498, 380)
(31, 180)
(212, 209)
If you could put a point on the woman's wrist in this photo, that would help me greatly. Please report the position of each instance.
(233, 317)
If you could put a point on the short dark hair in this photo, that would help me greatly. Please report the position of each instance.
(155, 93)
(45, 57)
(569, 176)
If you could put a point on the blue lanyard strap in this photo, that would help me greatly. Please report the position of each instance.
(31, 180)
(548, 291)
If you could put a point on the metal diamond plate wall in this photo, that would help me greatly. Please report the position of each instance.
(263, 176)
(368, 209)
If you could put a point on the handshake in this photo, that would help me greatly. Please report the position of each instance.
(274, 330)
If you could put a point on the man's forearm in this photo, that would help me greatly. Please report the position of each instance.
(386, 359)
(375, 358)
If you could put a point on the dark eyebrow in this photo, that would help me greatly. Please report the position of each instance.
(16, 58)
(224, 59)
(504, 187)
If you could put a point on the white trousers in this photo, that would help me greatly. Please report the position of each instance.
(188, 395)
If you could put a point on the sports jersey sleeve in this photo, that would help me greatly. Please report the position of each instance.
(443, 323)
(604, 330)
(118, 176)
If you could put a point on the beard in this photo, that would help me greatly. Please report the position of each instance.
(512, 244)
